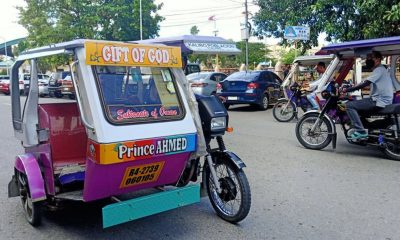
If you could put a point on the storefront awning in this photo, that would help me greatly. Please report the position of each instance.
(193, 44)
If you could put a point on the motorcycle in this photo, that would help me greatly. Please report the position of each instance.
(316, 130)
(285, 110)
(295, 96)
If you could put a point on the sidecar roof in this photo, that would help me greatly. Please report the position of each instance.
(314, 59)
(52, 49)
(387, 46)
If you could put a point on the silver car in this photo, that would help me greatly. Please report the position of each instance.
(205, 83)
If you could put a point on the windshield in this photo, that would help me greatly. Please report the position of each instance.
(197, 76)
(138, 94)
(243, 76)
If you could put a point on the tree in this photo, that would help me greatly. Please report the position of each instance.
(346, 20)
(274, 16)
(342, 20)
(288, 57)
(258, 52)
(194, 30)
(52, 21)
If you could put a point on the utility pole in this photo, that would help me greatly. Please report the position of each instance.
(247, 33)
(141, 20)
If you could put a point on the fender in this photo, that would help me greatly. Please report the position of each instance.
(229, 157)
(28, 165)
(333, 133)
(285, 99)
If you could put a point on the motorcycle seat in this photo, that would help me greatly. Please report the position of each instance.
(390, 109)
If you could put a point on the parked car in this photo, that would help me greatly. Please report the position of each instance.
(55, 83)
(260, 88)
(205, 83)
(191, 68)
(43, 80)
(67, 87)
(5, 85)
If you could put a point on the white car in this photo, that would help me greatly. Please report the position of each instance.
(205, 83)
(43, 81)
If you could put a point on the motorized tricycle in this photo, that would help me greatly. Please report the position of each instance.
(135, 127)
(316, 130)
(294, 87)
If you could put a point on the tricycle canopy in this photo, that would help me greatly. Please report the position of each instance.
(115, 83)
(305, 61)
(351, 53)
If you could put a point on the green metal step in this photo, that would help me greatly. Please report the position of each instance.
(136, 208)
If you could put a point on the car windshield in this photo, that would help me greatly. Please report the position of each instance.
(198, 76)
(27, 77)
(43, 76)
(138, 94)
(243, 76)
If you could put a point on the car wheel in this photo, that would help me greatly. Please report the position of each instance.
(71, 96)
(264, 103)
(58, 95)
(227, 106)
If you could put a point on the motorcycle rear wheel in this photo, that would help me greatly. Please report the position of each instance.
(392, 152)
(235, 190)
(284, 111)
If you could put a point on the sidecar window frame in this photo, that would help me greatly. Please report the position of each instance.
(108, 116)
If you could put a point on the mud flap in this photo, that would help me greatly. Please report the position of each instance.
(136, 208)
(334, 138)
(13, 190)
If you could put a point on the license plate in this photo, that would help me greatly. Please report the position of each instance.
(232, 98)
(66, 89)
(141, 174)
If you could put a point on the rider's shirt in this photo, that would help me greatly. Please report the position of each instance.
(381, 86)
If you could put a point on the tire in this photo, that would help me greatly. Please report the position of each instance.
(32, 210)
(58, 95)
(227, 106)
(392, 151)
(284, 115)
(302, 130)
(71, 96)
(264, 103)
(231, 191)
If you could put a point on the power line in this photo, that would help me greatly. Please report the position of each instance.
(200, 17)
(201, 11)
(185, 24)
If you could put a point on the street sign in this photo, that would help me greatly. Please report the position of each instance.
(297, 33)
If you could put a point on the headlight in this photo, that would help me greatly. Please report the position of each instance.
(218, 123)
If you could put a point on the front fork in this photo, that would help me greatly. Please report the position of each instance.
(211, 164)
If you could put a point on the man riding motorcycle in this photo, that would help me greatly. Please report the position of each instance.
(381, 95)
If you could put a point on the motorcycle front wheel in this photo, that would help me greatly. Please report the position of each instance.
(284, 111)
(317, 139)
(233, 202)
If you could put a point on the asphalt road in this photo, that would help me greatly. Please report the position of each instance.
(350, 193)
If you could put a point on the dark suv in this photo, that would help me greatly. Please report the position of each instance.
(56, 82)
(260, 88)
